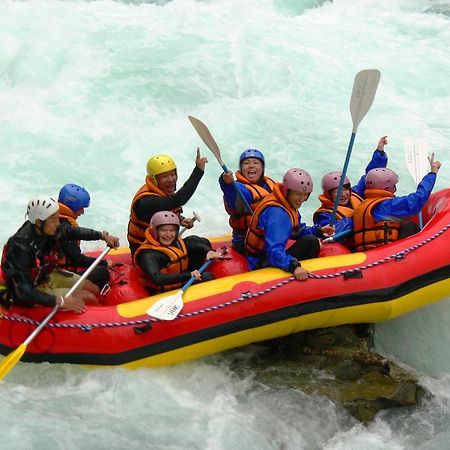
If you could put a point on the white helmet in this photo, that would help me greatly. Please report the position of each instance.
(41, 207)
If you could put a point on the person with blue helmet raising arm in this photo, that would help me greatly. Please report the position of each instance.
(159, 193)
(351, 197)
(276, 220)
(30, 260)
(73, 199)
(383, 218)
(253, 185)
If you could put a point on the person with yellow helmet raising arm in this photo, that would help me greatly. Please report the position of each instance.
(159, 194)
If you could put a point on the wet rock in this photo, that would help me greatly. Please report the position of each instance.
(337, 363)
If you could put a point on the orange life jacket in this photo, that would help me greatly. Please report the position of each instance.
(254, 240)
(137, 227)
(177, 254)
(327, 205)
(240, 221)
(368, 233)
(66, 213)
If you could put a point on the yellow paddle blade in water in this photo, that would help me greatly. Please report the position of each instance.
(11, 360)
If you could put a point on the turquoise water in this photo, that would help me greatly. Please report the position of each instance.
(90, 90)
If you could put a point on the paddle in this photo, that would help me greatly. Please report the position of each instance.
(416, 157)
(363, 93)
(169, 307)
(196, 217)
(14, 357)
(207, 138)
(336, 237)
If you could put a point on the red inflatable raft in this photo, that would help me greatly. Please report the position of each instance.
(241, 307)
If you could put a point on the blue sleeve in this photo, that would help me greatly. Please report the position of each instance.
(231, 197)
(304, 229)
(344, 225)
(340, 225)
(277, 225)
(407, 205)
(323, 219)
(379, 160)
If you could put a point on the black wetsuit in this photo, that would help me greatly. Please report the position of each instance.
(148, 205)
(76, 259)
(152, 261)
(27, 264)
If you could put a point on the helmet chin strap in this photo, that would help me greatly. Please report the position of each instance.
(39, 227)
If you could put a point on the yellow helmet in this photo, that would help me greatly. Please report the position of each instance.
(159, 164)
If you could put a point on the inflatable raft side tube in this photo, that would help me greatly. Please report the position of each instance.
(368, 306)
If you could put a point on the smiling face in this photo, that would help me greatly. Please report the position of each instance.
(167, 181)
(252, 169)
(296, 198)
(345, 195)
(167, 234)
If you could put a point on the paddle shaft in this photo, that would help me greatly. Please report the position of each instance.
(208, 139)
(338, 236)
(184, 228)
(341, 181)
(363, 93)
(192, 279)
(247, 207)
(9, 361)
(168, 308)
(71, 291)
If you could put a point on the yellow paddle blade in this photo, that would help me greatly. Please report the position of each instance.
(11, 360)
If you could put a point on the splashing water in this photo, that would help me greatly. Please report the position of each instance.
(90, 90)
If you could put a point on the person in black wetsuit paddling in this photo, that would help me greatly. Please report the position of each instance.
(73, 200)
(30, 258)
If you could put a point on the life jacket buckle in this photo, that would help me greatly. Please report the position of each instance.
(105, 289)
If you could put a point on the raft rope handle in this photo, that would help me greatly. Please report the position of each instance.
(244, 296)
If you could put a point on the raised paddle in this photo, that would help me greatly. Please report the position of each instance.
(416, 157)
(196, 217)
(207, 138)
(363, 93)
(169, 307)
(14, 357)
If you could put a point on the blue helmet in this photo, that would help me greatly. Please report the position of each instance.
(252, 153)
(74, 197)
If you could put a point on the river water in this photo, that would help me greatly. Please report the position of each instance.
(89, 90)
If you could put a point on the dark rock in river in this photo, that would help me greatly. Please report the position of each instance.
(337, 363)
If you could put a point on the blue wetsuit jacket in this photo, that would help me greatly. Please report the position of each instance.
(398, 209)
(278, 229)
(379, 160)
(234, 203)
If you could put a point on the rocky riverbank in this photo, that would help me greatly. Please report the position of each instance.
(337, 363)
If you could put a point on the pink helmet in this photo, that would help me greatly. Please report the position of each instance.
(331, 181)
(297, 180)
(163, 218)
(382, 178)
